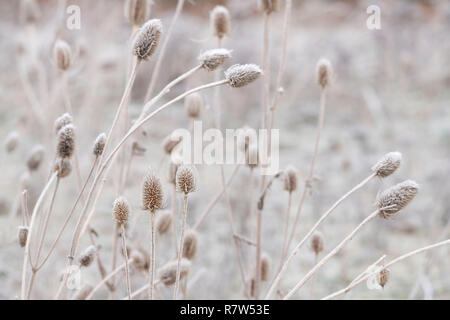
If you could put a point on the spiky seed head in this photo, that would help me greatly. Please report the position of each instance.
(87, 256)
(168, 273)
(317, 243)
(214, 58)
(220, 21)
(22, 235)
(152, 192)
(240, 75)
(388, 164)
(395, 198)
(252, 286)
(290, 179)
(83, 292)
(140, 260)
(62, 121)
(265, 267)
(63, 167)
(99, 144)
(29, 11)
(35, 158)
(62, 55)
(137, 149)
(190, 242)
(163, 222)
(193, 105)
(147, 39)
(383, 277)
(269, 6)
(12, 141)
(137, 11)
(324, 72)
(251, 156)
(66, 141)
(186, 179)
(121, 210)
(170, 142)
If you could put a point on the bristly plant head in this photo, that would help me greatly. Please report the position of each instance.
(62, 121)
(169, 143)
(168, 273)
(164, 221)
(265, 266)
(190, 243)
(137, 11)
(147, 39)
(269, 6)
(193, 105)
(35, 158)
(324, 71)
(62, 55)
(121, 210)
(388, 164)
(186, 179)
(290, 178)
(240, 75)
(66, 141)
(63, 167)
(22, 235)
(220, 21)
(397, 197)
(87, 256)
(12, 141)
(317, 243)
(152, 192)
(383, 277)
(214, 58)
(99, 144)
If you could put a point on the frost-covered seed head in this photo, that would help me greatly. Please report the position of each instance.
(397, 197)
(147, 39)
(240, 75)
(388, 164)
(214, 58)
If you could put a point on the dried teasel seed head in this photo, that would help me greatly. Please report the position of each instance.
(62, 55)
(251, 156)
(193, 105)
(152, 193)
(290, 179)
(186, 179)
(168, 273)
(190, 242)
(252, 286)
(383, 277)
(324, 72)
(137, 11)
(395, 198)
(66, 141)
(63, 167)
(29, 11)
(83, 293)
(147, 39)
(163, 222)
(121, 210)
(99, 144)
(62, 121)
(317, 243)
(269, 6)
(87, 256)
(240, 75)
(12, 141)
(220, 21)
(139, 260)
(214, 58)
(35, 158)
(22, 235)
(388, 164)
(265, 267)
(170, 142)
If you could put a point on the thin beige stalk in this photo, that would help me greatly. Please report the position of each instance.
(175, 218)
(142, 289)
(127, 270)
(114, 259)
(286, 228)
(153, 260)
(180, 252)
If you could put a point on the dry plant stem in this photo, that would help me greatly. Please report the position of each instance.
(311, 232)
(175, 217)
(331, 254)
(401, 258)
(286, 228)
(153, 262)
(157, 67)
(25, 257)
(127, 270)
(183, 226)
(114, 259)
(143, 289)
(250, 218)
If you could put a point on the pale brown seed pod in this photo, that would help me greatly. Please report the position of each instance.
(383, 277)
(186, 179)
(12, 141)
(388, 164)
(251, 156)
(83, 293)
(22, 235)
(163, 222)
(140, 260)
(214, 58)
(152, 193)
(190, 242)
(35, 158)
(240, 75)
(62, 121)
(121, 210)
(62, 55)
(265, 267)
(220, 21)
(324, 72)
(168, 273)
(193, 105)
(99, 144)
(147, 39)
(63, 167)
(317, 243)
(169, 143)
(252, 285)
(29, 11)
(137, 11)
(269, 6)
(396, 198)
(290, 179)
(66, 141)
(87, 256)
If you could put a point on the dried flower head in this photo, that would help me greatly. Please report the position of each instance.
(22, 235)
(121, 210)
(168, 273)
(62, 55)
(163, 222)
(324, 72)
(62, 121)
(220, 21)
(99, 144)
(147, 39)
(397, 197)
(251, 156)
(152, 193)
(317, 243)
(269, 6)
(193, 105)
(87, 256)
(140, 260)
(66, 141)
(83, 292)
(35, 158)
(265, 267)
(388, 164)
(383, 277)
(240, 75)
(63, 167)
(290, 178)
(29, 11)
(214, 58)
(190, 244)
(12, 141)
(170, 142)
(186, 179)
(137, 11)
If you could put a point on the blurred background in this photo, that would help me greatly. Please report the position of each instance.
(390, 92)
